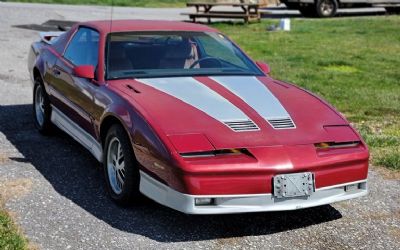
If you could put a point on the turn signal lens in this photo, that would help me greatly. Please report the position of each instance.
(329, 145)
(322, 145)
(234, 151)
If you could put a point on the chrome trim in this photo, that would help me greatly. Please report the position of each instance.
(286, 123)
(257, 96)
(196, 94)
(227, 204)
(59, 119)
(240, 126)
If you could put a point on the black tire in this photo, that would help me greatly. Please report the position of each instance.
(308, 11)
(393, 10)
(129, 190)
(292, 6)
(326, 8)
(42, 120)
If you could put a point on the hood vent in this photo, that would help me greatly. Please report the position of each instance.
(284, 123)
(242, 126)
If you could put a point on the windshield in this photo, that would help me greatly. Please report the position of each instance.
(157, 54)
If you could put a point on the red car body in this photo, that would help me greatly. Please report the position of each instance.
(167, 133)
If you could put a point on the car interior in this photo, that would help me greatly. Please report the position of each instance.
(128, 55)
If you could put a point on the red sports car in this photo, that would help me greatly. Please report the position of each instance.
(178, 112)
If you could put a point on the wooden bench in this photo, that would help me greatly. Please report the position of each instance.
(248, 11)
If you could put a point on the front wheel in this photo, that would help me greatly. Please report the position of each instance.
(120, 167)
(41, 109)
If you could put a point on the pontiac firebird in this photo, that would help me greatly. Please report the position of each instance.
(179, 113)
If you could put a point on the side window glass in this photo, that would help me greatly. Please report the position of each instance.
(83, 48)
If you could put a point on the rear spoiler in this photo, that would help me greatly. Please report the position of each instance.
(49, 37)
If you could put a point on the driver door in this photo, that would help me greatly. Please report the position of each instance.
(74, 95)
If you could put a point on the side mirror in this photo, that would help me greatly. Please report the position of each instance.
(84, 71)
(264, 67)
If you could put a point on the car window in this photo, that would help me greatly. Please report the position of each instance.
(217, 46)
(83, 48)
(174, 53)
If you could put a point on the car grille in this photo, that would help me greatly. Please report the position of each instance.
(284, 123)
(242, 126)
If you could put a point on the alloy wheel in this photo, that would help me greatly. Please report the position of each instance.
(327, 7)
(116, 165)
(39, 105)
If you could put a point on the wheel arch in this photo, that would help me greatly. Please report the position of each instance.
(337, 1)
(107, 122)
(36, 73)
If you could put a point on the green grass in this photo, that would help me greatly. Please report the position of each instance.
(138, 3)
(10, 237)
(354, 63)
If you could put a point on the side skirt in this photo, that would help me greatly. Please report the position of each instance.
(85, 139)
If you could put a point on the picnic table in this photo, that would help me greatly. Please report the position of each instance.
(247, 10)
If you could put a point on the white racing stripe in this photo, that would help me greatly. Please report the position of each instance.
(196, 94)
(257, 96)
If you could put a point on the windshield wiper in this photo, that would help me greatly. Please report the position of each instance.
(236, 70)
(141, 72)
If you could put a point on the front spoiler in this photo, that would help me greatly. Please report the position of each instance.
(228, 204)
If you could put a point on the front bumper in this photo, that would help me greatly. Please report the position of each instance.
(226, 204)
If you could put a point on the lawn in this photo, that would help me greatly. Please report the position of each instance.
(10, 237)
(354, 63)
(138, 3)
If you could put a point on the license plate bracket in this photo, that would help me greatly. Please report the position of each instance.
(293, 185)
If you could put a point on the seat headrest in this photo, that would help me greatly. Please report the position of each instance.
(117, 51)
(182, 50)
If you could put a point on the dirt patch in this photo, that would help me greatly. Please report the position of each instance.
(343, 204)
(15, 188)
(383, 216)
(387, 174)
(224, 242)
(3, 158)
(33, 246)
(395, 232)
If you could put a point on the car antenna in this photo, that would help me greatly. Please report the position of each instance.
(109, 37)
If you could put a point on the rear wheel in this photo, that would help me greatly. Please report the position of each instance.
(393, 10)
(322, 8)
(120, 167)
(41, 108)
(326, 8)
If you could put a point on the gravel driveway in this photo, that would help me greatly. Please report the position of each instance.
(54, 187)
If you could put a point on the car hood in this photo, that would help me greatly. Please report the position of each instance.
(234, 111)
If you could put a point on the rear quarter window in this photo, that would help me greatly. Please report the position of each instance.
(83, 48)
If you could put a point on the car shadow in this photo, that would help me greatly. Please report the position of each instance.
(76, 175)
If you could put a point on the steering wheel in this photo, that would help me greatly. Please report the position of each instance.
(205, 59)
